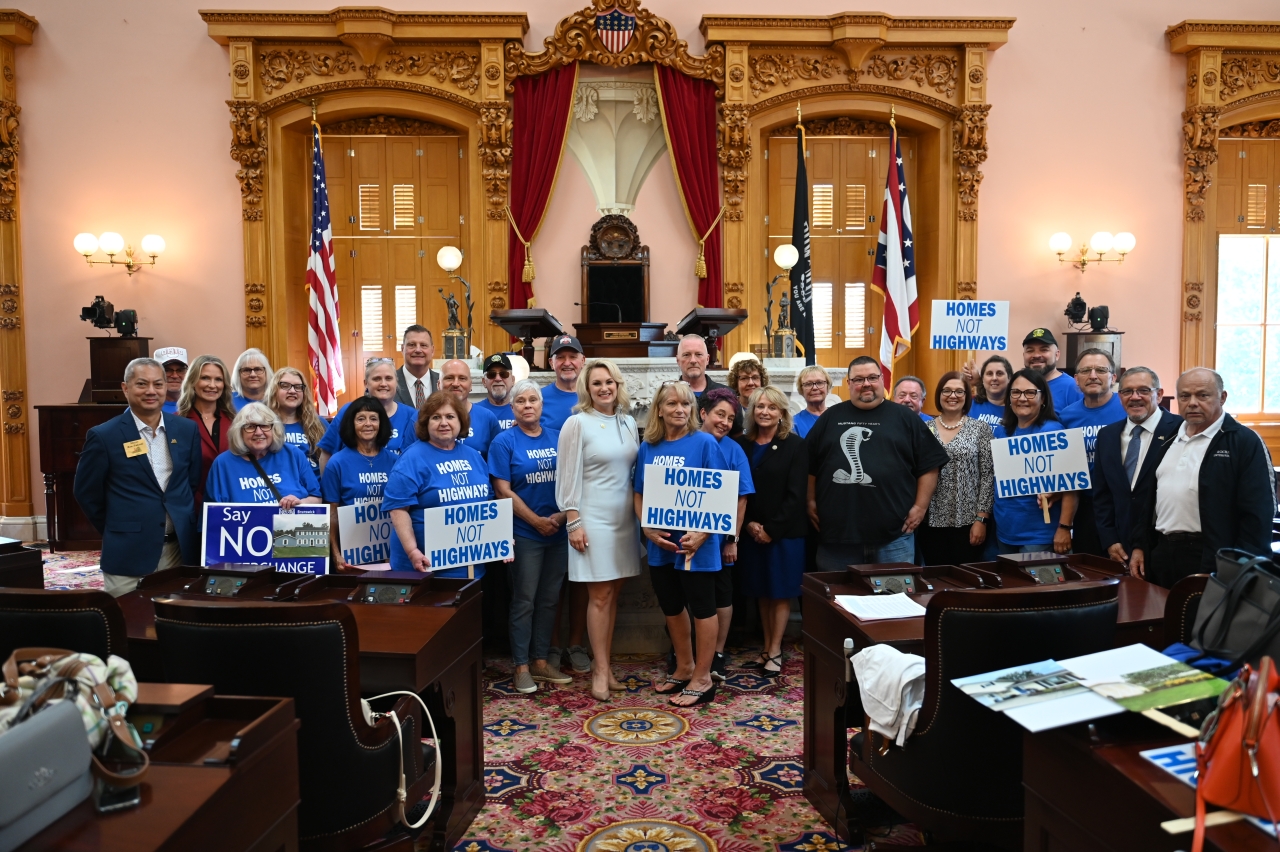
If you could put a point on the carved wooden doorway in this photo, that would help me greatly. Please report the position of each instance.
(846, 192)
(395, 201)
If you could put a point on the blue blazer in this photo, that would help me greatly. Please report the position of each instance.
(122, 498)
(1112, 497)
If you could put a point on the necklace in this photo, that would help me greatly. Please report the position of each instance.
(948, 426)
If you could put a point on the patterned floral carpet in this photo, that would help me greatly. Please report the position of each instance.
(72, 570)
(566, 773)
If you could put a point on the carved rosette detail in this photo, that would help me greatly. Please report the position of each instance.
(10, 323)
(734, 151)
(454, 66)
(256, 305)
(14, 396)
(735, 288)
(249, 149)
(14, 411)
(498, 297)
(281, 67)
(387, 125)
(9, 149)
(1200, 153)
(655, 40)
(15, 428)
(255, 288)
(772, 69)
(9, 306)
(1240, 72)
(1252, 130)
(255, 321)
(495, 156)
(843, 125)
(967, 289)
(938, 71)
(969, 147)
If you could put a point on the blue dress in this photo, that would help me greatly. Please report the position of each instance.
(772, 570)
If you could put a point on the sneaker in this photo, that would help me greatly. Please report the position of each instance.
(578, 659)
(718, 665)
(553, 659)
(549, 675)
(523, 682)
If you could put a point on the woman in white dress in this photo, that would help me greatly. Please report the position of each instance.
(597, 455)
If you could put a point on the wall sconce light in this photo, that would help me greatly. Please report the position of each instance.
(1100, 244)
(112, 244)
(449, 259)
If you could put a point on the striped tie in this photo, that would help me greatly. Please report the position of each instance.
(418, 396)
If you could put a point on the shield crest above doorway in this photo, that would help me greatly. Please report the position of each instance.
(615, 29)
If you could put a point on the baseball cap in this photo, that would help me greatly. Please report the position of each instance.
(1040, 335)
(166, 354)
(498, 359)
(565, 341)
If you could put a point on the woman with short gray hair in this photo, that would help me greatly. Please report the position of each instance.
(257, 466)
(522, 467)
(249, 378)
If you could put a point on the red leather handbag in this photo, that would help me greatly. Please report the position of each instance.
(1238, 752)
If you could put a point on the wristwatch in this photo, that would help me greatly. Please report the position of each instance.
(983, 520)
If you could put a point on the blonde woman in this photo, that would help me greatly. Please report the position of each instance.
(813, 385)
(683, 565)
(289, 396)
(206, 399)
(596, 454)
(256, 468)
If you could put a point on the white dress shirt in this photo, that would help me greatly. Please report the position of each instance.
(410, 380)
(1178, 480)
(1148, 435)
(158, 454)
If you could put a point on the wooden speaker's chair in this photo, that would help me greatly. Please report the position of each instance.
(348, 769)
(959, 777)
(1181, 606)
(88, 622)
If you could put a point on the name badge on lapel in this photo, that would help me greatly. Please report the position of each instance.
(135, 448)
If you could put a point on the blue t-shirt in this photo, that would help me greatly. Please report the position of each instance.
(737, 460)
(169, 407)
(295, 436)
(804, 421)
(484, 428)
(1078, 415)
(351, 478)
(529, 464)
(402, 430)
(557, 406)
(502, 413)
(696, 450)
(1064, 391)
(1020, 520)
(238, 402)
(232, 479)
(417, 481)
(987, 412)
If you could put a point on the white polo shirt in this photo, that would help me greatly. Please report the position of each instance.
(1178, 480)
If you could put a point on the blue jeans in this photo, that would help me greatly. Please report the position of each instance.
(537, 574)
(1024, 548)
(834, 557)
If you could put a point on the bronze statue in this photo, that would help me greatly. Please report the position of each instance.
(784, 306)
(452, 303)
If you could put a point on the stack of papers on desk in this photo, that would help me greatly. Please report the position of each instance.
(1045, 695)
(880, 607)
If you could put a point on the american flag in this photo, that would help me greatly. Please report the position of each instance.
(323, 350)
(615, 29)
(895, 273)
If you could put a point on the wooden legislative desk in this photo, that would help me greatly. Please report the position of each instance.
(431, 646)
(831, 701)
(224, 768)
(20, 567)
(1088, 790)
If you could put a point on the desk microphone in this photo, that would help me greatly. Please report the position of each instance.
(613, 305)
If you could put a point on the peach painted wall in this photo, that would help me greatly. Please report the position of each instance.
(124, 127)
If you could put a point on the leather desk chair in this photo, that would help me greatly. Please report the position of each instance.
(348, 770)
(959, 778)
(88, 622)
(1181, 606)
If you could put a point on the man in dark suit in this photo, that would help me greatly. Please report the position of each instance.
(416, 381)
(1124, 459)
(136, 483)
(693, 357)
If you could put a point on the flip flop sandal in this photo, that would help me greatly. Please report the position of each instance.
(677, 686)
(704, 697)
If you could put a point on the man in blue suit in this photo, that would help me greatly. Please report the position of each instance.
(1123, 459)
(136, 483)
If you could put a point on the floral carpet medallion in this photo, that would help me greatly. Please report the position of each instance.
(567, 773)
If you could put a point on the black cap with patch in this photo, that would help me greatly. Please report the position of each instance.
(1040, 335)
(499, 359)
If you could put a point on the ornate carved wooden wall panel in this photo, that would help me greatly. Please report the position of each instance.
(15, 451)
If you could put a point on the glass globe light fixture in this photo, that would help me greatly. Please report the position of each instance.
(86, 244)
(1060, 242)
(449, 258)
(786, 256)
(1124, 242)
(1101, 242)
(111, 243)
(153, 245)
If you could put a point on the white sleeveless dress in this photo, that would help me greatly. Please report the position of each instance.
(597, 455)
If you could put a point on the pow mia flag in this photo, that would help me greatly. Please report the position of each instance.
(801, 274)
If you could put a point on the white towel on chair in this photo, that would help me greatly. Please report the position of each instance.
(892, 687)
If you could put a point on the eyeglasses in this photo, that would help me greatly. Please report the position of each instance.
(814, 385)
(1126, 393)
(1093, 371)
(673, 383)
(369, 363)
(1024, 394)
(504, 374)
(265, 428)
(290, 387)
(864, 380)
(251, 370)
(951, 392)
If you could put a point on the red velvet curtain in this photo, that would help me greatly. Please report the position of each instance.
(540, 122)
(689, 110)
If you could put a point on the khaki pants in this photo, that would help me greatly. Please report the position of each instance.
(118, 584)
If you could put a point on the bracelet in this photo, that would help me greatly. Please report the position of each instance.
(576, 523)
